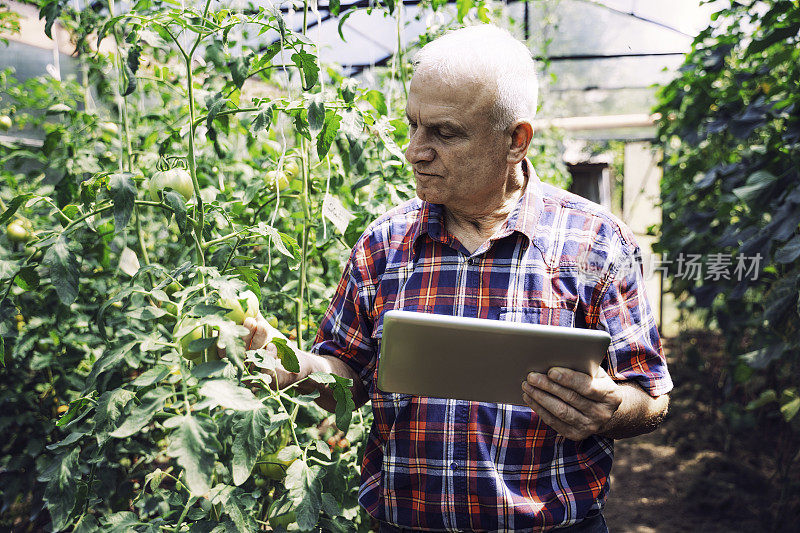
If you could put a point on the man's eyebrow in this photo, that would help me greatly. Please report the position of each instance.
(438, 123)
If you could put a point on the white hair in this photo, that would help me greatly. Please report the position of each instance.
(486, 54)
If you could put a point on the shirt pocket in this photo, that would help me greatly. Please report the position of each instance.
(547, 315)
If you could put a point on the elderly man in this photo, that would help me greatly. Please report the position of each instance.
(485, 238)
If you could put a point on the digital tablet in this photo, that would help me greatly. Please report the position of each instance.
(477, 359)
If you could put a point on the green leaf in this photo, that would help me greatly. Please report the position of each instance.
(236, 510)
(790, 408)
(13, 205)
(131, 67)
(108, 360)
(334, 6)
(767, 396)
(342, 20)
(195, 446)
(344, 402)
(140, 415)
(280, 240)
(776, 35)
(123, 193)
(263, 120)
(249, 432)
(463, 8)
(377, 100)
(240, 68)
(326, 137)
(305, 491)
(757, 182)
(316, 115)
(322, 377)
(152, 376)
(230, 396)
(110, 406)
(63, 270)
(209, 369)
(789, 252)
(123, 522)
(286, 354)
(307, 63)
(330, 505)
(199, 345)
(27, 278)
(215, 104)
(87, 524)
(60, 493)
(50, 11)
(178, 204)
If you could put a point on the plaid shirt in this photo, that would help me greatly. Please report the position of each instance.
(439, 464)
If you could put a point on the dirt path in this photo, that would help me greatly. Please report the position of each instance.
(693, 474)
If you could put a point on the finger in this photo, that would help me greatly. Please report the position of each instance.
(259, 335)
(595, 389)
(568, 395)
(548, 418)
(250, 324)
(558, 407)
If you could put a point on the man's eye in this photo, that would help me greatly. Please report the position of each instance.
(444, 134)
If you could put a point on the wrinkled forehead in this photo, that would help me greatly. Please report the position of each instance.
(461, 92)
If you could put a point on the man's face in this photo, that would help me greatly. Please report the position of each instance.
(459, 159)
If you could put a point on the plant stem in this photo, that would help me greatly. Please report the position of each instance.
(199, 215)
(402, 73)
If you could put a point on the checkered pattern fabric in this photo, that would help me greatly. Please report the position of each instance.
(436, 464)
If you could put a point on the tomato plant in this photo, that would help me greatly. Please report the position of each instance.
(186, 180)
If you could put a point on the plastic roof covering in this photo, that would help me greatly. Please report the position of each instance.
(645, 40)
(579, 85)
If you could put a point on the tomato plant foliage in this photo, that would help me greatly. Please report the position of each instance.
(183, 168)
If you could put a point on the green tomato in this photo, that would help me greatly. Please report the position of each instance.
(193, 334)
(16, 232)
(283, 521)
(273, 468)
(109, 127)
(5, 122)
(177, 179)
(276, 180)
(292, 169)
(237, 313)
(274, 148)
(172, 288)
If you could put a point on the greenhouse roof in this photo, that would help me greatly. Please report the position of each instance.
(602, 57)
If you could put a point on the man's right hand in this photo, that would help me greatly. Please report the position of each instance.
(259, 335)
(260, 332)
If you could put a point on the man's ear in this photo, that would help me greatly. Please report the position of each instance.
(521, 136)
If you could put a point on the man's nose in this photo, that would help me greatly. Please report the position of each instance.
(418, 150)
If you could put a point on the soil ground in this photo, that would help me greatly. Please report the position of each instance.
(696, 473)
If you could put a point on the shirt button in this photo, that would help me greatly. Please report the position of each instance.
(454, 466)
(472, 261)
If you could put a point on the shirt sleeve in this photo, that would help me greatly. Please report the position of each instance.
(345, 330)
(635, 353)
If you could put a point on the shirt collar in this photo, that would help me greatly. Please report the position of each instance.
(523, 217)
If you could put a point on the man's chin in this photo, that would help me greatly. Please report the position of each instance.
(428, 195)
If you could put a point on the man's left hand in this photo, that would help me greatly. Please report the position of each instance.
(574, 404)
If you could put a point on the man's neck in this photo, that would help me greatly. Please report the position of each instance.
(476, 225)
